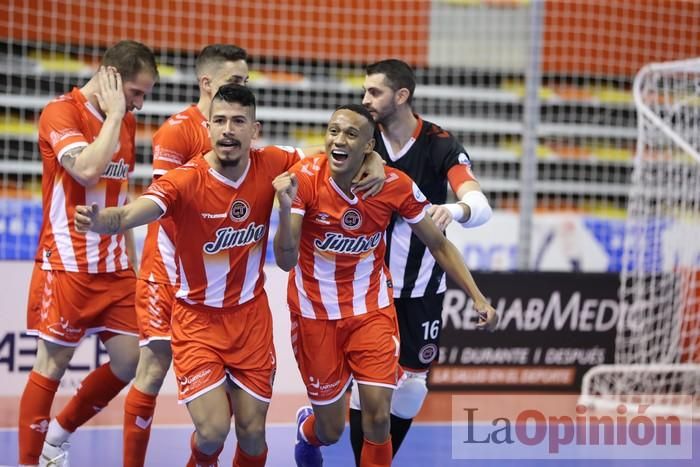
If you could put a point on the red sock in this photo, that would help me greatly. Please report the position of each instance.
(309, 430)
(138, 418)
(376, 455)
(34, 415)
(199, 459)
(94, 393)
(242, 459)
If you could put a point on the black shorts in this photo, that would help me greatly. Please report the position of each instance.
(420, 324)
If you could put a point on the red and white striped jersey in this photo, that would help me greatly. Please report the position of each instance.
(341, 270)
(66, 123)
(182, 137)
(222, 225)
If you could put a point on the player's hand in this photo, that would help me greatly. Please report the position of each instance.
(111, 95)
(370, 178)
(440, 215)
(86, 217)
(286, 186)
(488, 318)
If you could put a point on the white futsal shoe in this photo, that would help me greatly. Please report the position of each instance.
(54, 456)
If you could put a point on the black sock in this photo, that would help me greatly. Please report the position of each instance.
(399, 430)
(357, 436)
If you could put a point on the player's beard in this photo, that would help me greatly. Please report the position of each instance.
(228, 164)
(385, 116)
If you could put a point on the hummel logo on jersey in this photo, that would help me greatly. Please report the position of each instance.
(322, 218)
(143, 423)
(208, 215)
(228, 237)
(339, 243)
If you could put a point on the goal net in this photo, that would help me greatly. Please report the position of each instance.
(658, 339)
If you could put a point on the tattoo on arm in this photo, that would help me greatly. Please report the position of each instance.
(112, 223)
(68, 159)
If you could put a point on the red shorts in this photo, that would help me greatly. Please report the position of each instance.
(64, 307)
(332, 352)
(154, 306)
(210, 344)
(36, 292)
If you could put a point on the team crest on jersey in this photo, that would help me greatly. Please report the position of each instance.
(352, 219)
(427, 353)
(239, 211)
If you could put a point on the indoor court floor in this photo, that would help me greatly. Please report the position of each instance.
(429, 442)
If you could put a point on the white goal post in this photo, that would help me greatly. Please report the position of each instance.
(657, 348)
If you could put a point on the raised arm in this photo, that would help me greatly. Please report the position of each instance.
(288, 235)
(111, 221)
(449, 258)
(86, 164)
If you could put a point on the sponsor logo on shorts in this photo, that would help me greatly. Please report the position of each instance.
(427, 353)
(186, 382)
(63, 328)
(239, 211)
(315, 387)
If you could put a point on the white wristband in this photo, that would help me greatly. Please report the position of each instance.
(456, 210)
(479, 206)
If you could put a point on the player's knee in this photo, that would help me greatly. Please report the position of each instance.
(150, 377)
(376, 421)
(329, 432)
(409, 396)
(53, 361)
(212, 435)
(153, 366)
(250, 429)
(123, 356)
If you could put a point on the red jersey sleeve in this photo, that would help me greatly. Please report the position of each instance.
(60, 125)
(166, 191)
(171, 148)
(412, 203)
(305, 171)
